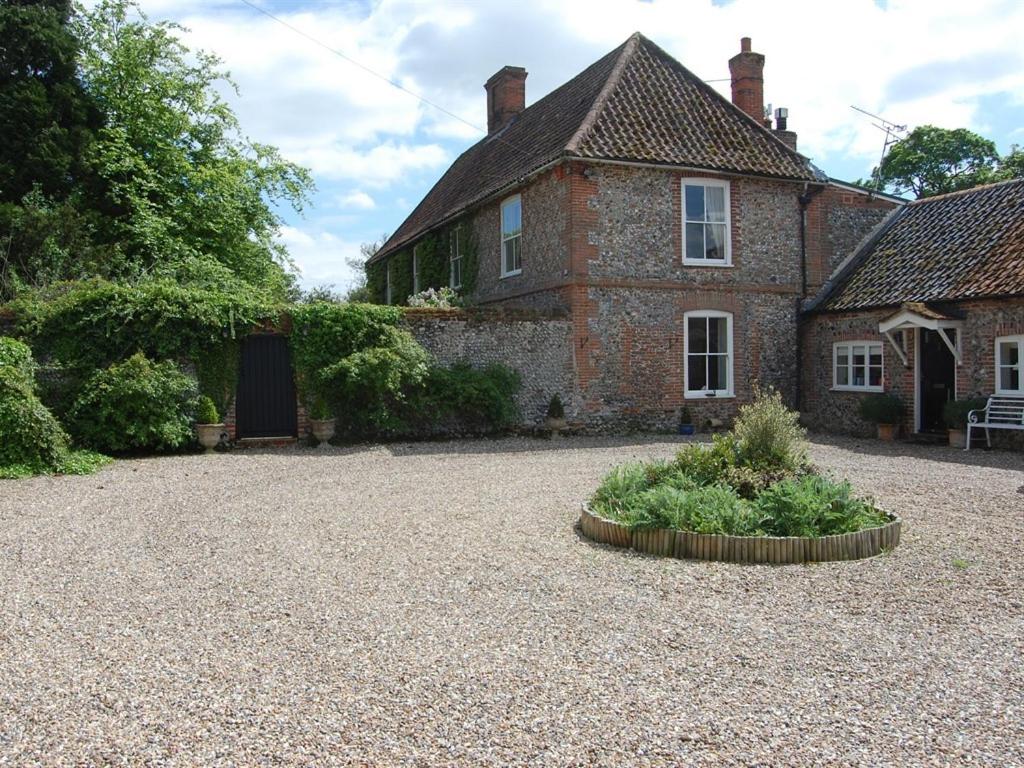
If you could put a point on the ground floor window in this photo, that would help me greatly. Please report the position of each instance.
(708, 354)
(857, 365)
(1009, 353)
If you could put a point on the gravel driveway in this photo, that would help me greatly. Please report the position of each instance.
(432, 604)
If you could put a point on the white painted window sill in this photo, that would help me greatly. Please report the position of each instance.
(857, 389)
(702, 395)
(511, 274)
(708, 263)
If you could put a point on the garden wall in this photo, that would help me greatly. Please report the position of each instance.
(536, 345)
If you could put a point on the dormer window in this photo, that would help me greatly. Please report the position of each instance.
(706, 223)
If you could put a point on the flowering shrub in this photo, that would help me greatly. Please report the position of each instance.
(440, 298)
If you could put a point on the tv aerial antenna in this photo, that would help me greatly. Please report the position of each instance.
(893, 131)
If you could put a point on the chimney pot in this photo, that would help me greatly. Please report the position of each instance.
(506, 97)
(745, 45)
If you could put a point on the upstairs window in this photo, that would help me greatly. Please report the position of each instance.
(706, 223)
(455, 259)
(512, 236)
(387, 285)
(708, 351)
(1010, 365)
(857, 366)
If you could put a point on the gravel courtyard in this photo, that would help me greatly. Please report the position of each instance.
(432, 604)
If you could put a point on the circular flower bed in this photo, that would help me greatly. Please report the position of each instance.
(750, 496)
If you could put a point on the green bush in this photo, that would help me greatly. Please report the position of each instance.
(619, 487)
(206, 411)
(709, 465)
(18, 357)
(555, 408)
(135, 405)
(815, 506)
(954, 413)
(881, 408)
(470, 399)
(769, 436)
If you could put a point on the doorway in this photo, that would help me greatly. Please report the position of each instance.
(265, 406)
(936, 379)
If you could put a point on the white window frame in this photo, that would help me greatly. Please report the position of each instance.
(701, 261)
(416, 268)
(1019, 340)
(387, 284)
(697, 394)
(849, 387)
(506, 272)
(455, 257)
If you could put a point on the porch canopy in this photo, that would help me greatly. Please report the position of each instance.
(914, 314)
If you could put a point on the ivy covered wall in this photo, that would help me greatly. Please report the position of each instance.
(433, 253)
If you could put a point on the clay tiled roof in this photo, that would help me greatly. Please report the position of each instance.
(963, 245)
(636, 104)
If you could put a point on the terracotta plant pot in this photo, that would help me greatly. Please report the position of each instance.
(957, 438)
(887, 431)
(323, 429)
(209, 435)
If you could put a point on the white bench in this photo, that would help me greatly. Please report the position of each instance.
(1000, 412)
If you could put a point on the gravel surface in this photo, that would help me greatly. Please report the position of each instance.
(432, 604)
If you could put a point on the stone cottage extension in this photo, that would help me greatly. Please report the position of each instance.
(930, 308)
(678, 231)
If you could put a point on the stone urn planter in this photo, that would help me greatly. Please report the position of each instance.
(555, 420)
(209, 435)
(887, 432)
(323, 430)
(957, 438)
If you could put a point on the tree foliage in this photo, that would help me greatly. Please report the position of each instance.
(933, 161)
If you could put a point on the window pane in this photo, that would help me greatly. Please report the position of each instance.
(842, 355)
(1009, 379)
(874, 376)
(717, 335)
(1009, 353)
(714, 246)
(696, 372)
(695, 241)
(697, 334)
(875, 355)
(842, 376)
(718, 372)
(694, 203)
(511, 217)
(715, 197)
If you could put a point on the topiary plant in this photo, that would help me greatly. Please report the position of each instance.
(954, 413)
(137, 404)
(882, 408)
(555, 408)
(206, 411)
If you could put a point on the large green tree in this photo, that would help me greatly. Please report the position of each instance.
(933, 161)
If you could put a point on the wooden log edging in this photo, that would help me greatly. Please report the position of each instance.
(776, 550)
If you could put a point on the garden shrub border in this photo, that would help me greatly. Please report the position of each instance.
(776, 550)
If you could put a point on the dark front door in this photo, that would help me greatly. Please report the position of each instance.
(265, 406)
(937, 381)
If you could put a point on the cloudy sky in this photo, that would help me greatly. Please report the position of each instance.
(374, 150)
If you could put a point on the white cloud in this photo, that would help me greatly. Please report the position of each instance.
(320, 256)
(357, 199)
(376, 166)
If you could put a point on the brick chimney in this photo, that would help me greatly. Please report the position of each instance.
(781, 129)
(747, 70)
(506, 97)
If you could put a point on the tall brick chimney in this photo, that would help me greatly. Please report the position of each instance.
(506, 97)
(747, 70)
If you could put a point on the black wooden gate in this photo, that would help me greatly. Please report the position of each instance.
(265, 406)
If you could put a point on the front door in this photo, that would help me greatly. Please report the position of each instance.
(265, 406)
(937, 379)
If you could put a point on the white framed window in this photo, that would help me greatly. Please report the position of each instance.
(707, 349)
(857, 366)
(455, 259)
(706, 230)
(387, 283)
(1010, 365)
(512, 236)
(416, 269)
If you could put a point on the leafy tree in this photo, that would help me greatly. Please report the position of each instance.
(181, 182)
(1012, 164)
(933, 161)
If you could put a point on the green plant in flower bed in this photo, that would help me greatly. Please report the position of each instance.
(135, 405)
(755, 481)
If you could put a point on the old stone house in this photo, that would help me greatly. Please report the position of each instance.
(930, 308)
(673, 234)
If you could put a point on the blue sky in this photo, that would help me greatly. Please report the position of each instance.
(374, 150)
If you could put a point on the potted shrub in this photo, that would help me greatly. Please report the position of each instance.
(885, 410)
(209, 427)
(321, 421)
(555, 420)
(686, 422)
(954, 413)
